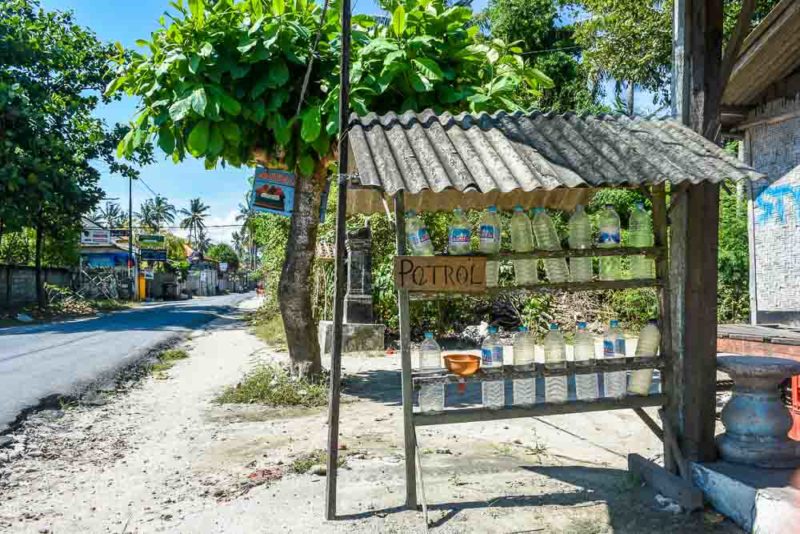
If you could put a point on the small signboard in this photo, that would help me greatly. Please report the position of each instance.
(149, 275)
(223, 267)
(273, 191)
(95, 236)
(147, 254)
(151, 241)
(440, 274)
(119, 233)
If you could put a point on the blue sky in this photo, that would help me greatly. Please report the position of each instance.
(222, 189)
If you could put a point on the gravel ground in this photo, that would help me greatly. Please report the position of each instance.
(163, 457)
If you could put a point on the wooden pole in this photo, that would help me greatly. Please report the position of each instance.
(341, 275)
(694, 227)
(660, 230)
(405, 358)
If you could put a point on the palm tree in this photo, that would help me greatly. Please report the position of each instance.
(246, 216)
(163, 211)
(112, 216)
(146, 216)
(238, 243)
(194, 220)
(203, 242)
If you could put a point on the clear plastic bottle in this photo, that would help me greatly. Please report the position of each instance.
(522, 241)
(489, 231)
(649, 340)
(586, 385)
(580, 237)
(524, 351)
(609, 237)
(431, 396)
(458, 242)
(614, 347)
(555, 357)
(493, 391)
(547, 239)
(640, 234)
(419, 240)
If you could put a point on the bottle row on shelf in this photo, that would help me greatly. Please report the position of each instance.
(539, 232)
(616, 384)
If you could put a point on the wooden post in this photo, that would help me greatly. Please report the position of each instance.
(694, 227)
(660, 229)
(341, 275)
(405, 359)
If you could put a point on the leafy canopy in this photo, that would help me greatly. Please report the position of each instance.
(223, 80)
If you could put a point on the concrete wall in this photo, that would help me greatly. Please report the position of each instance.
(18, 284)
(774, 149)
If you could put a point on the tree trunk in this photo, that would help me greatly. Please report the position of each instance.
(631, 88)
(40, 298)
(294, 289)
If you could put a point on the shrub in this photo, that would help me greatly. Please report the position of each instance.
(273, 385)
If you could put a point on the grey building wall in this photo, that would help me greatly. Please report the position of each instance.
(18, 284)
(774, 149)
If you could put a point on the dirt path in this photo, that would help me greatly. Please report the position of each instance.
(163, 457)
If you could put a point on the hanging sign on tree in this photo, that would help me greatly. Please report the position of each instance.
(273, 192)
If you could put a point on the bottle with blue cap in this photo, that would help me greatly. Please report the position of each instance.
(419, 240)
(615, 382)
(493, 390)
(555, 357)
(431, 395)
(586, 385)
(547, 239)
(489, 234)
(640, 234)
(522, 241)
(458, 234)
(524, 389)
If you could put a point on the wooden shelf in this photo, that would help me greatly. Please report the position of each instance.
(469, 415)
(650, 252)
(544, 287)
(508, 372)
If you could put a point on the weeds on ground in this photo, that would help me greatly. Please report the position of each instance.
(274, 385)
(304, 463)
(165, 362)
(271, 332)
(109, 305)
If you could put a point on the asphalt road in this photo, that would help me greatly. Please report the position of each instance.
(40, 361)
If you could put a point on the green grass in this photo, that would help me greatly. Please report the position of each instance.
(166, 360)
(303, 463)
(271, 332)
(273, 385)
(109, 305)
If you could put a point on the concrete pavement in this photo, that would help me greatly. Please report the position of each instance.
(41, 361)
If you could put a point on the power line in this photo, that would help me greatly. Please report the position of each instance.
(545, 51)
(148, 187)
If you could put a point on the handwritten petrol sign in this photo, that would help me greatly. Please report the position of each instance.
(446, 274)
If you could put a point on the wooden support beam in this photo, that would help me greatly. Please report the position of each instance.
(341, 275)
(405, 360)
(667, 484)
(648, 421)
(469, 415)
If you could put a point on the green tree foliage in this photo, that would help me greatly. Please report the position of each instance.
(549, 46)
(49, 141)
(156, 213)
(628, 40)
(224, 81)
(224, 253)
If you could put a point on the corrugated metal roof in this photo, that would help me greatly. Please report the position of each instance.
(770, 53)
(532, 159)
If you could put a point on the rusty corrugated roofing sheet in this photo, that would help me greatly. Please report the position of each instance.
(531, 159)
(770, 53)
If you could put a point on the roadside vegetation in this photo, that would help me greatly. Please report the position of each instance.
(165, 361)
(274, 385)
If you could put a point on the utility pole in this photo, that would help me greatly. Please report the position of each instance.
(131, 271)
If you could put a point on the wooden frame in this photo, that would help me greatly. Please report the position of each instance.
(411, 380)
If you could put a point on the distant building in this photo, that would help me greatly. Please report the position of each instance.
(761, 103)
